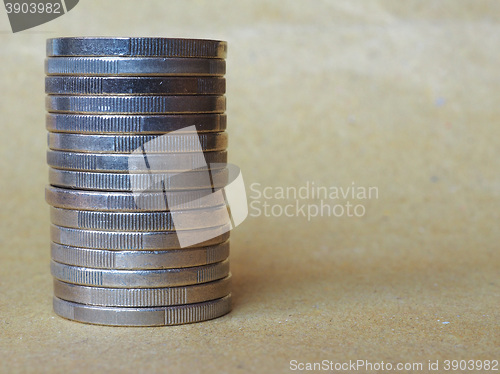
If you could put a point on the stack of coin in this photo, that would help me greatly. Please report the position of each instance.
(137, 150)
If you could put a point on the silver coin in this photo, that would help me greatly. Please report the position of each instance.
(85, 180)
(123, 260)
(143, 297)
(171, 143)
(130, 202)
(157, 316)
(141, 221)
(135, 104)
(129, 240)
(60, 85)
(157, 47)
(139, 278)
(135, 66)
(133, 124)
(127, 162)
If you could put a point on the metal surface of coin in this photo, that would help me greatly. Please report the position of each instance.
(171, 143)
(124, 181)
(135, 66)
(129, 260)
(158, 47)
(133, 124)
(140, 221)
(126, 162)
(135, 104)
(139, 278)
(157, 316)
(131, 202)
(143, 297)
(58, 85)
(129, 240)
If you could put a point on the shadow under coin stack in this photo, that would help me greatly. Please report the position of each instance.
(136, 148)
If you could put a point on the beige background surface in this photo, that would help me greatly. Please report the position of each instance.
(401, 95)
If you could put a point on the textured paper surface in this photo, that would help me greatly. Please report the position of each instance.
(398, 95)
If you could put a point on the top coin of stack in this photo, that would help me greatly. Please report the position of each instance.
(137, 146)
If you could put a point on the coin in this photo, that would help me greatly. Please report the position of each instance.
(139, 221)
(59, 85)
(158, 47)
(135, 104)
(136, 66)
(157, 316)
(127, 162)
(143, 297)
(112, 259)
(139, 278)
(125, 182)
(133, 124)
(137, 171)
(129, 240)
(131, 202)
(171, 143)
